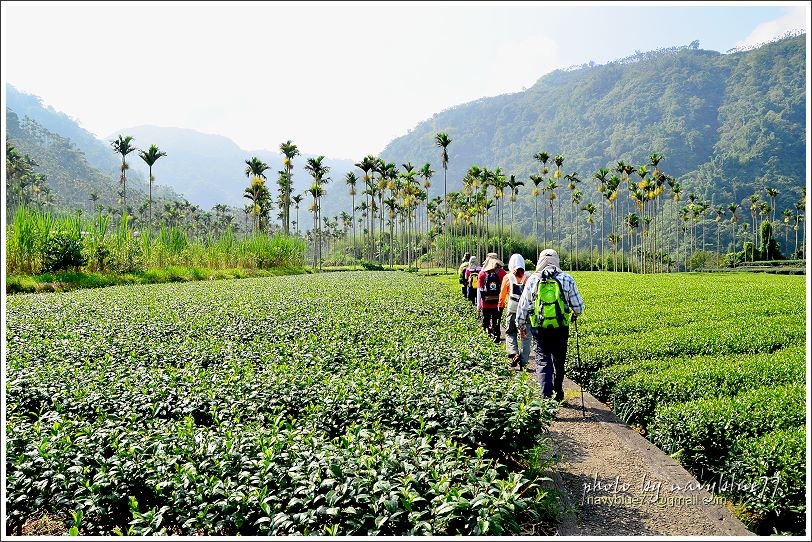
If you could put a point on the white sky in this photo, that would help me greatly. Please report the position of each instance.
(337, 78)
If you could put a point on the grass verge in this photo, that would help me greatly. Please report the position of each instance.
(72, 280)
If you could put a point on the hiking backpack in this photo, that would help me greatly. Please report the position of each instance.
(473, 277)
(490, 289)
(551, 309)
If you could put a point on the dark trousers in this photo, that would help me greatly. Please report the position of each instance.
(491, 319)
(551, 353)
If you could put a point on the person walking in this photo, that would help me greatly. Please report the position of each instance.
(471, 275)
(550, 300)
(512, 287)
(461, 272)
(490, 282)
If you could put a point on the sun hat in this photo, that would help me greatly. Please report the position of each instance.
(516, 262)
(473, 262)
(492, 261)
(548, 257)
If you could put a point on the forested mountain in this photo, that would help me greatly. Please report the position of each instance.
(728, 125)
(98, 153)
(71, 181)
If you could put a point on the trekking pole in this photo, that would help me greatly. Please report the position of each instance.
(578, 358)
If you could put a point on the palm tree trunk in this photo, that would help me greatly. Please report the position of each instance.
(354, 253)
(150, 198)
(536, 224)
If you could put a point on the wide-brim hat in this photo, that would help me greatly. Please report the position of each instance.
(492, 261)
(548, 257)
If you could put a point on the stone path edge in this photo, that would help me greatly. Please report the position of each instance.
(660, 462)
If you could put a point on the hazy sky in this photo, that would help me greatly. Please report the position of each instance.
(337, 78)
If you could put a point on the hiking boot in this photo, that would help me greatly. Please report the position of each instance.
(559, 396)
(514, 360)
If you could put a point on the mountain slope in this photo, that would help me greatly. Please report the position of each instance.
(719, 120)
(69, 175)
(98, 154)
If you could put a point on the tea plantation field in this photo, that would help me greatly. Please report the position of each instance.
(343, 403)
(711, 368)
(370, 403)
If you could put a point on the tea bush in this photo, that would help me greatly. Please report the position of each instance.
(343, 403)
(702, 433)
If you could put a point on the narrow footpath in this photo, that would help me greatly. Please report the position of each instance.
(616, 483)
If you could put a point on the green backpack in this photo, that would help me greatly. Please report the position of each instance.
(551, 310)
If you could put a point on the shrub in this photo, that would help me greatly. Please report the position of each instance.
(768, 477)
(636, 396)
(371, 266)
(701, 433)
(62, 251)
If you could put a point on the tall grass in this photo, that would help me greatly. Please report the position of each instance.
(122, 249)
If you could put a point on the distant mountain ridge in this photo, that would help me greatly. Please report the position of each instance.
(70, 177)
(210, 169)
(206, 169)
(727, 125)
(98, 155)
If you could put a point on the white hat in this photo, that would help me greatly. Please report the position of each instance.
(516, 262)
(548, 257)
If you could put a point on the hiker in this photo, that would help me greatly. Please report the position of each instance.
(550, 320)
(461, 271)
(512, 287)
(471, 275)
(490, 282)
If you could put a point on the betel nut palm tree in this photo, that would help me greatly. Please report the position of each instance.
(290, 151)
(351, 180)
(123, 146)
(297, 199)
(443, 141)
(318, 171)
(257, 192)
(150, 157)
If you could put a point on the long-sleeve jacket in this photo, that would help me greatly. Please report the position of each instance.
(528, 300)
(481, 302)
(504, 293)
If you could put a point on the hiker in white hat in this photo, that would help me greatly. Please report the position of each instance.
(512, 287)
(550, 300)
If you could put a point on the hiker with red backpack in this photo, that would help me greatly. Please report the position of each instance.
(550, 301)
(490, 283)
(471, 276)
(512, 287)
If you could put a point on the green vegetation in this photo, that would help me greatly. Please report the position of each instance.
(339, 403)
(39, 242)
(712, 369)
(71, 280)
(722, 183)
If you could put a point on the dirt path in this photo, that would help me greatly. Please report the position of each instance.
(617, 483)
